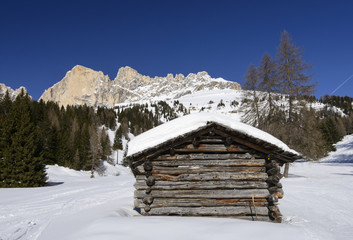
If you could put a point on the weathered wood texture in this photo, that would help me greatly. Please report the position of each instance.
(244, 193)
(199, 169)
(204, 156)
(210, 163)
(223, 184)
(241, 176)
(201, 202)
(210, 211)
(211, 148)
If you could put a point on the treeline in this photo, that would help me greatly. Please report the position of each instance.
(279, 100)
(34, 134)
(344, 103)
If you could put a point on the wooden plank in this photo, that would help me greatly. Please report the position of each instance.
(204, 156)
(209, 211)
(223, 184)
(244, 193)
(206, 148)
(211, 140)
(199, 169)
(225, 163)
(241, 176)
(200, 202)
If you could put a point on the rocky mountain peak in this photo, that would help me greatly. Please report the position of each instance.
(126, 73)
(13, 93)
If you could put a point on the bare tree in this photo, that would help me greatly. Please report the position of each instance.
(292, 72)
(293, 79)
(267, 72)
(252, 112)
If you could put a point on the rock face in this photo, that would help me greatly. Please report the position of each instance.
(13, 93)
(82, 85)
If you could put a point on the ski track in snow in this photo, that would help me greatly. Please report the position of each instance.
(316, 206)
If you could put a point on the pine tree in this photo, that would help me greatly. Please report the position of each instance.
(95, 150)
(85, 149)
(22, 163)
(118, 144)
(105, 145)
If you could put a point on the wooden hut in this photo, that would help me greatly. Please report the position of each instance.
(208, 165)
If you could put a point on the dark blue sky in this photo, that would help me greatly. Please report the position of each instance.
(41, 40)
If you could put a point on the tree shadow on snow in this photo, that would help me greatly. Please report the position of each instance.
(342, 158)
(344, 174)
(50, 184)
(291, 175)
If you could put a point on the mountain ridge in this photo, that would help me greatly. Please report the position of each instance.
(12, 92)
(82, 85)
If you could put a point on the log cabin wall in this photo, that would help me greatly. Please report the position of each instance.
(209, 175)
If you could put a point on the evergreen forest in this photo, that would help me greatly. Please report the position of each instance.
(34, 134)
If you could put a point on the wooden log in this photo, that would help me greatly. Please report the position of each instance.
(228, 141)
(215, 162)
(148, 189)
(147, 208)
(223, 184)
(241, 176)
(248, 218)
(272, 164)
(279, 193)
(211, 140)
(150, 181)
(200, 202)
(147, 166)
(275, 214)
(244, 193)
(196, 142)
(209, 211)
(273, 171)
(207, 148)
(273, 189)
(203, 156)
(199, 169)
(273, 179)
(172, 152)
(272, 199)
(148, 200)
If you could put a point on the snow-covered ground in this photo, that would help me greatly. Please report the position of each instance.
(316, 205)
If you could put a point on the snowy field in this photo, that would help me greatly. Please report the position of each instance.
(316, 205)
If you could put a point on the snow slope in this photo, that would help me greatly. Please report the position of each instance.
(25, 213)
(316, 205)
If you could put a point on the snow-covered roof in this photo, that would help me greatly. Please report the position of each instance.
(193, 122)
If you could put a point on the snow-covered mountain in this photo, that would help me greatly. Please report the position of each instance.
(83, 85)
(13, 93)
